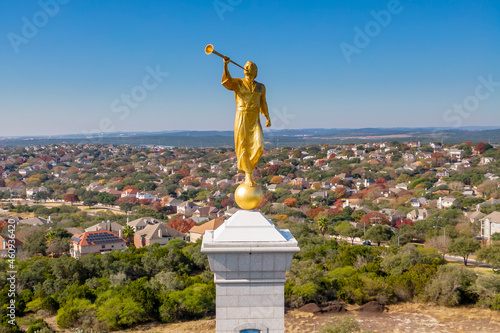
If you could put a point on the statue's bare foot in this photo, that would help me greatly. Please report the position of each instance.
(249, 180)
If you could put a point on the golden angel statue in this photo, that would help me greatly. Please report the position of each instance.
(250, 97)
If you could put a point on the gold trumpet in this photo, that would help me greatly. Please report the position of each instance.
(209, 49)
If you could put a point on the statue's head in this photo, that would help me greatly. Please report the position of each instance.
(250, 70)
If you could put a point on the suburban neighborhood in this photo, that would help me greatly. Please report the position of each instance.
(139, 213)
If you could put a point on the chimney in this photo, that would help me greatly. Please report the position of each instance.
(159, 233)
(120, 233)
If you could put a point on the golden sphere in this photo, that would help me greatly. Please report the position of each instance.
(248, 197)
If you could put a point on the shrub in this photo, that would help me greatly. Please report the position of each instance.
(488, 290)
(347, 324)
(39, 326)
(406, 258)
(74, 312)
(120, 311)
(451, 286)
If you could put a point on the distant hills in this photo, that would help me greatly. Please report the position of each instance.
(274, 138)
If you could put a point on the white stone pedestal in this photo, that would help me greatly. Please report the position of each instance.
(249, 257)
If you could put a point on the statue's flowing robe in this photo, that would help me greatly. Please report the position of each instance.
(248, 136)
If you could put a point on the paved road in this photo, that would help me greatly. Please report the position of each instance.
(77, 204)
(470, 261)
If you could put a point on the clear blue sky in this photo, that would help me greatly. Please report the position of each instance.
(69, 74)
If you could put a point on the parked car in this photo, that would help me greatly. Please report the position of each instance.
(368, 243)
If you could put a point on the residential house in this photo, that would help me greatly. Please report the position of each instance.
(447, 202)
(217, 194)
(411, 167)
(206, 212)
(456, 154)
(489, 202)
(403, 186)
(442, 174)
(158, 233)
(231, 211)
(364, 183)
(6, 189)
(319, 194)
(274, 187)
(173, 202)
(418, 214)
(415, 203)
(353, 203)
(114, 192)
(131, 193)
(35, 221)
(238, 178)
(491, 176)
(4, 245)
(212, 181)
(108, 225)
(199, 219)
(468, 192)
(301, 182)
(475, 216)
(346, 176)
(31, 192)
(486, 160)
(95, 242)
(409, 157)
(145, 196)
(142, 223)
(228, 181)
(490, 224)
(393, 215)
(197, 232)
(187, 208)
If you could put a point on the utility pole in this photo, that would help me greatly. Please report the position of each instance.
(399, 237)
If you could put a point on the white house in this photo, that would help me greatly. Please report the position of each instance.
(490, 224)
(145, 195)
(446, 202)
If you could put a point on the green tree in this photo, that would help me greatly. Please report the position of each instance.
(89, 202)
(106, 198)
(126, 206)
(322, 223)
(463, 246)
(35, 242)
(352, 233)
(128, 234)
(490, 255)
(379, 233)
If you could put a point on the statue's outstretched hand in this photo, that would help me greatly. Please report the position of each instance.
(226, 60)
(268, 123)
